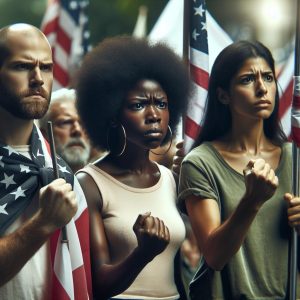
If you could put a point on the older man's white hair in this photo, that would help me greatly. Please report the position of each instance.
(58, 96)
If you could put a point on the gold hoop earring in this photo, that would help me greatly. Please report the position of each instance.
(171, 141)
(114, 135)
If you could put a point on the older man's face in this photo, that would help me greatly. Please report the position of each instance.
(70, 139)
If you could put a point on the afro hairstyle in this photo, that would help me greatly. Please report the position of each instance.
(113, 68)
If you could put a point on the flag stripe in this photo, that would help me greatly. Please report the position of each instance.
(80, 287)
(61, 75)
(199, 65)
(296, 102)
(59, 291)
(199, 76)
(286, 122)
(63, 40)
(296, 135)
(71, 265)
(295, 112)
(51, 13)
(82, 225)
(51, 26)
(62, 268)
(199, 59)
(286, 99)
(65, 26)
(67, 20)
(62, 57)
(192, 128)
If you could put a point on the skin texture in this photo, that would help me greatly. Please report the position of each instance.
(251, 100)
(145, 117)
(178, 157)
(71, 141)
(26, 77)
(247, 150)
(145, 110)
(25, 86)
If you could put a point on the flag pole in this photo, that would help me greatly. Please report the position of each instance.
(140, 28)
(185, 47)
(186, 30)
(295, 164)
(294, 237)
(64, 238)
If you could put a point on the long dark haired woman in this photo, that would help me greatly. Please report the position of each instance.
(234, 182)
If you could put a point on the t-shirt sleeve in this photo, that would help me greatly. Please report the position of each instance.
(195, 179)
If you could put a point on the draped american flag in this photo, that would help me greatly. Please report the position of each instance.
(199, 70)
(65, 25)
(21, 180)
(71, 278)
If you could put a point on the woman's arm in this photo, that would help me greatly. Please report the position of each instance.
(217, 241)
(293, 211)
(152, 235)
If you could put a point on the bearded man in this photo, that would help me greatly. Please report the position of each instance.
(33, 206)
(71, 141)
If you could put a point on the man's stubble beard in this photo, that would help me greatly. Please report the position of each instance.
(12, 103)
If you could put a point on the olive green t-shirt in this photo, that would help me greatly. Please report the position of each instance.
(259, 270)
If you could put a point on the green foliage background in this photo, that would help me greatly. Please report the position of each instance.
(106, 17)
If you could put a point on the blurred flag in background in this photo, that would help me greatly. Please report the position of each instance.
(285, 82)
(199, 70)
(169, 29)
(140, 28)
(65, 25)
(203, 50)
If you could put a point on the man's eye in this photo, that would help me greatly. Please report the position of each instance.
(46, 68)
(21, 67)
(64, 123)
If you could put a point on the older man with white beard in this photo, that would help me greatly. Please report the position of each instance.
(71, 141)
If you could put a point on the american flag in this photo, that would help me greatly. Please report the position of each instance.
(199, 70)
(169, 29)
(71, 274)
(71, 278)
(65, 25)
(285, 82)
(295, 115)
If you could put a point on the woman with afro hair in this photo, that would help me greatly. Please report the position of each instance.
(130, 98)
